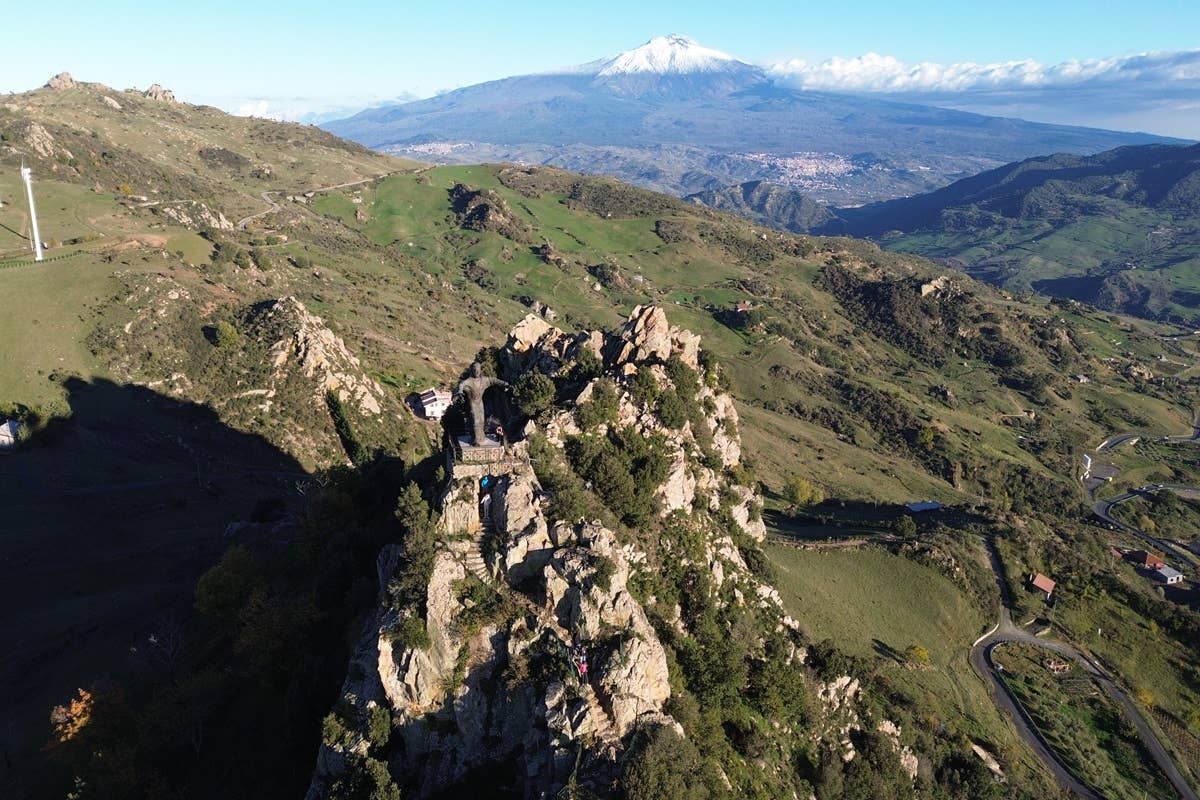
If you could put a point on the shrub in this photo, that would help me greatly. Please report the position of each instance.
(533, 393)
(672, 411)
(225, 335)
(412, 633)
(665, 767)
(601, 408)
(604, 570)
(345, 431)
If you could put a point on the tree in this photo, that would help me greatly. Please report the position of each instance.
(906, 526)
(665, 767)
(225, 335)
(534, 392)
(645, 386)
(800, 493)
(672, 411)
(419, 545)
(917, 655)
(601, 408)
(587, 366)
(222, 591)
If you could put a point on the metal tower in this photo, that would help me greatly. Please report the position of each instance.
(27, 176)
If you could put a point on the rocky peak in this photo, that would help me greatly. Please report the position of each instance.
(160, 93)
(61, 81)
(516, 595)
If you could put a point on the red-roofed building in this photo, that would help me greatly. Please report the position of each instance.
(1041, 583)
(1144, 559)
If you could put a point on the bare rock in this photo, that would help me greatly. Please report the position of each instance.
(158, 92)
(110, 102)
(679, 489)
(61, 81)
(414, 678)
(323, 356)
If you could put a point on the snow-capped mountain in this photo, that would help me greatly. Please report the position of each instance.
(681, 117)
(672, 54)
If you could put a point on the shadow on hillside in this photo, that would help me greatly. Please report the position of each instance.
(886, 651)
(109, 517)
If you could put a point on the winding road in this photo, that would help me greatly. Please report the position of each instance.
(1006, 631)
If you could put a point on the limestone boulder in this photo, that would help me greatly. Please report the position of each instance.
(414, 678)
(679, 489)
(61, 81)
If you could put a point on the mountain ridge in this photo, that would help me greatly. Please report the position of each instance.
(701, 122)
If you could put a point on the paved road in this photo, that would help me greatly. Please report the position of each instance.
(266, 196)
(1007, 631)
(1103, 509)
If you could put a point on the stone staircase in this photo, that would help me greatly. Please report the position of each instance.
(606, 729)
(473, 560)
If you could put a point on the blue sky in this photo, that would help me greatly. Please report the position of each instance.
(309, 56)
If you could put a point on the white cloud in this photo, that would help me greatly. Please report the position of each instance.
(311, 110)
(885, 74)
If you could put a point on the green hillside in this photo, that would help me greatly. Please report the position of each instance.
(293, 341)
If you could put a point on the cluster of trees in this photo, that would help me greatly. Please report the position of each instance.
(230, 702)
(624, 468)
(925, 327)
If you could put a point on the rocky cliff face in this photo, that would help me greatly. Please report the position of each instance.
(491, 674)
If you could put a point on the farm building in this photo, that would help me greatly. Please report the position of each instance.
(1041, 583)
(1167, 575)
(923, 505)
(1144, 559)
(435, 402)
(9, 431)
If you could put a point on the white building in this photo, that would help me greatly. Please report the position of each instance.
(9, 430)
(435, 402)
(1168, 575)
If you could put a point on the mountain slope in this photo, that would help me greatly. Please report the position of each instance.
(1120, 230)
(878, 377)
(673, 116)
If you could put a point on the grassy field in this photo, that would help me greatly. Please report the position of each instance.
(875, 605)
(1082, 724)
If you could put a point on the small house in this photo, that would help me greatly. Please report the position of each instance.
(435, 402)
(1167, 575)
(923, 506)
(1144, 559)
(1040, 583)
(10, 430)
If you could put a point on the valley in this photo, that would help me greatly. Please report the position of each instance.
(250, 356)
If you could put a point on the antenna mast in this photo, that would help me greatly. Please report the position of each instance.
(27, 176)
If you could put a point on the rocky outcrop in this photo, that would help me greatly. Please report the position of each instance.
(648, 337)
(160, 93)
(61, 81)
(319, 354)
(517, 597)
(196, 215)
